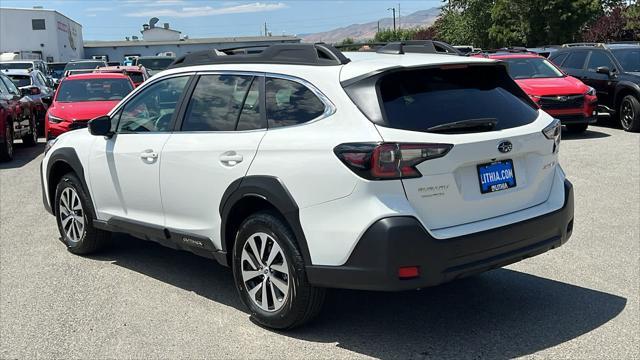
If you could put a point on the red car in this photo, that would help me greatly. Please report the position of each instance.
(80, 98)
(138, 74)
(562, 96)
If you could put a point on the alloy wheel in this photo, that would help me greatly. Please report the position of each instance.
(8, 138)
(71, 215)
(265, 272)
(626, 114)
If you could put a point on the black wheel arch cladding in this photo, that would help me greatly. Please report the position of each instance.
(69, 157)
(273, 191)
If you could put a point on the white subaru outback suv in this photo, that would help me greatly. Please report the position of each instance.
(303, 170)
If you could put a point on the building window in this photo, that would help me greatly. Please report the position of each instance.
(37, 24)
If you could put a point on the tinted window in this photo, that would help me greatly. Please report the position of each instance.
(93, 90)
(575, 60)
(628, 58)
(216, 103)
(558, 59)
(136, 77)
(152, 109)
(597, 59)
(420, 99)
(37, 24)
(20, 80)
(16, 65)
(529, 68)
(155, 64)
(290, 103)
(84, 65)
(250, 118)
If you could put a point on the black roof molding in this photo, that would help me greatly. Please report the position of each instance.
(418, 47)
(318, 54)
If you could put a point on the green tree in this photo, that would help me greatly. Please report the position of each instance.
(387, 35)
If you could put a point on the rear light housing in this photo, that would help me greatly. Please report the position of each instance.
(553, 132)
(388, 161)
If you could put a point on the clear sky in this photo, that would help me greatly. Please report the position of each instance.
(115, 19)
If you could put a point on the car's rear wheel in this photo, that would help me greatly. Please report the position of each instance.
(577, 128)
(75, 218)
(32, 137)
(270, 274)
(6, 149)
(629, 113)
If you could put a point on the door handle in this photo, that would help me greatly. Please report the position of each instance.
(149, 156)
(231, 158)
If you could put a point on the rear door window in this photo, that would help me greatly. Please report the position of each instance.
(290, 103)
(598, 59)
(575, 60)
(418, 100)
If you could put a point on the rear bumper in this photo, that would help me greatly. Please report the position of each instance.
(394, 242)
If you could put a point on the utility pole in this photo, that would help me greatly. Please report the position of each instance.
(394, 18)
(265, 29)
(399, 16)
(378, 25)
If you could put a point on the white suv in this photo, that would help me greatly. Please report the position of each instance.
(304, 170)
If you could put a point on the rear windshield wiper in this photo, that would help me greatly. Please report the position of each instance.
(481, 124)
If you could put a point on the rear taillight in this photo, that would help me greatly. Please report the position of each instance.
(388, 160)
(553, 132)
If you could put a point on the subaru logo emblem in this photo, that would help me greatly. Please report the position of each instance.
(563, 98)
(505, 146)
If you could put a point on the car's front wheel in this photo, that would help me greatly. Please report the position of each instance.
(6, 149)
(75, 218)
(629, 113)
(270, 274)
(31, 139)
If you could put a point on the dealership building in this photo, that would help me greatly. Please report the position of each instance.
(47, 33)
(53, 37)
(163, 40)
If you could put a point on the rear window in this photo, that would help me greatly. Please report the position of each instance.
(84, 65)
(20, 80)
(421, 99)
(136, 77)
(16, 65)
(93, 90)
(155, 64)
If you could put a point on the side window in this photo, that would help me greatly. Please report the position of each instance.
(3, 87)
(559, 59)
(290, 103)
(41, 79)
(217, 103)
(597, 59)
(575, 60)
(152, 109)
(11, 86)
(250, 118)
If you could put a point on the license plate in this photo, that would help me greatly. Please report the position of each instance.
(496, 176)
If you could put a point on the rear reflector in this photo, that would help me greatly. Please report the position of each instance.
(388, 160)
(408, 272)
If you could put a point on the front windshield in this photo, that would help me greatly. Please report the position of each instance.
(93, 90)
(16, 65)
(155, 64)
(628, 58)
(530, 68)
(20, 80)
(83, 65)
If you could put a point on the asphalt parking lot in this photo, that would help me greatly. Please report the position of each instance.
(140, 300)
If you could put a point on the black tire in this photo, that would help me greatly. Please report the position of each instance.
(577, 128)
(88, 239)
(6, 148)
(31, 139)
(629, 113)
(302, 301)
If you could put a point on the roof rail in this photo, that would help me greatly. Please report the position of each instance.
(419, 47)
(580, 44)
(318, 54)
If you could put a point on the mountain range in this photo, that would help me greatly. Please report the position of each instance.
(368, 30)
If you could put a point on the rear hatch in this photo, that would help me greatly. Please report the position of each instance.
(500, 161)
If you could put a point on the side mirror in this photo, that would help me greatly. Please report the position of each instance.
(47, 100)
(603, 70)
(101, 126)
